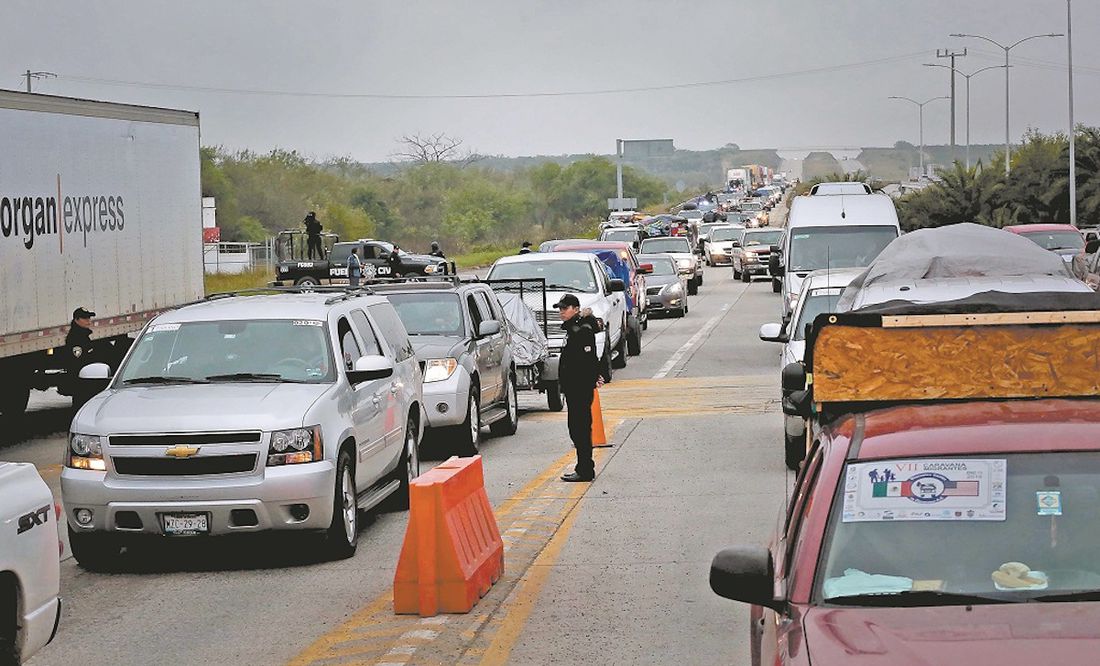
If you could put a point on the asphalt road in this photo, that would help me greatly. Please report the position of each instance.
(611, 572)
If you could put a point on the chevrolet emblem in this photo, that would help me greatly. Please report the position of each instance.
(181, 451)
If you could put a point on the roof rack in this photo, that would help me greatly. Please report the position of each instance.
(295, 289)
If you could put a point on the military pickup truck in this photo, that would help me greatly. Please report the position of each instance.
(377, 257)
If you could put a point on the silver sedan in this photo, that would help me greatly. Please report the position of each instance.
(666, 289)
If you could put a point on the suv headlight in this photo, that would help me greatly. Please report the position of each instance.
(685, 263)
(297, 445)
(429, 269)
(439, 369)
(673, 288)
(85, 452)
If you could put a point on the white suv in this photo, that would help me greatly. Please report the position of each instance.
(287, 411)
(586, 277)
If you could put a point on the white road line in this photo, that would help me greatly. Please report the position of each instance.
(703, 332)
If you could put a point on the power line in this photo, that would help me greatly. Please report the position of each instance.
(569, 93)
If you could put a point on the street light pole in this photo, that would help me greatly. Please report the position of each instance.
(967, 77)
(1006, 49)
(1072, 126)
(920, 115)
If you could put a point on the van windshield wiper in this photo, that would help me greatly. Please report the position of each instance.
(165, 380)
(247, 377)
(917, 598)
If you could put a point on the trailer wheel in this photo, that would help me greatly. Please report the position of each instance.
(14, 395)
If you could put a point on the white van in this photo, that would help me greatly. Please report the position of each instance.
(836, 231)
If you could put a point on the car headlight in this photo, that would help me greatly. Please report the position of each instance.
(85, 452)
(674, 288)
(430, 269)
(297, 445)
(685, 263)
(439, 369)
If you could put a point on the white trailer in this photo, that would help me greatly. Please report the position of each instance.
(100, 208)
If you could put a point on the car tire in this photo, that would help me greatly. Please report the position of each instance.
(342, 536)
(307, 281)
(605, 361)
(777, 286)
(553, 397)
(618, 361)
(409, 467)
(682, 312)
(97, 552)
(746, 277)
(468, 433)
(794, 450)
(508, 425)
(634, 339)
(693, 289)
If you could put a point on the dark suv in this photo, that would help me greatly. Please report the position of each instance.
(463, 341)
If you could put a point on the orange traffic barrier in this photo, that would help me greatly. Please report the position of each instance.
(599, 436)
(453, 552)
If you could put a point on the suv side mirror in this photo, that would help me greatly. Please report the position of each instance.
(487, 328)
(618, 285)
(775, 261)
(793, 376)
(773, 333)
(370, 367)
(745, 573)
(95, 371)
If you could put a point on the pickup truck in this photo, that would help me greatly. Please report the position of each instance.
(30, 568)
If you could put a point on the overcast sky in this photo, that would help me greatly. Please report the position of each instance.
(487, 47)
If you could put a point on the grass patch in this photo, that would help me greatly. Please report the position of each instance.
(483, 257)
(219, 282)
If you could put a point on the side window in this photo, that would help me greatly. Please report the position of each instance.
(605, 277)
(370, 251)
(475, 312)
(349, 347)
(371, 346)
(393, 331)
(483, 305)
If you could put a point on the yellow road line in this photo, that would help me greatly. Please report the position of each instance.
(326, 647)
(519, 608)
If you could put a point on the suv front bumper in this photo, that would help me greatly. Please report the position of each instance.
(264, 499)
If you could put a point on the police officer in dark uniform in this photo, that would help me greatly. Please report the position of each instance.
(436, 252)
(78, 341)
(313, 235)
(526, 249)
(578, 377)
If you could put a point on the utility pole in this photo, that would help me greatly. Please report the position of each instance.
(967, 77)
(947, 53)
(35, 76)
(1072, 127)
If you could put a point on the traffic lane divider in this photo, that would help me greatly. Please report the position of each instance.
(453, 551)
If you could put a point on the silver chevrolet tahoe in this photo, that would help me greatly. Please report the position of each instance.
(287, 411)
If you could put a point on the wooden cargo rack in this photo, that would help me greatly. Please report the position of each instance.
(862, 358)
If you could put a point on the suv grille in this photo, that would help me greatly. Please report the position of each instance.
(186, 439)
(234, 464)
(653, 291)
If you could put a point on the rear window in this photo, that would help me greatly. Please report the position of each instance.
(666, 245)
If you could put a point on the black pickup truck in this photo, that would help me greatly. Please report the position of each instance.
(375, 256)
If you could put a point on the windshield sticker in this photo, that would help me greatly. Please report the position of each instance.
(930, 489)
(1050, 502)
(157, 328)
(307, 322)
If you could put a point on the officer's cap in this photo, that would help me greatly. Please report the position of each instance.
(568, 300)
(81, 313)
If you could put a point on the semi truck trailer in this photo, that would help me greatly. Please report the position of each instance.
(100, 208)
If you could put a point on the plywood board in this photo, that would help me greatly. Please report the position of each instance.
(858, 364)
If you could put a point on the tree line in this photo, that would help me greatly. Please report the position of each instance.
(1035, 191)
(463, 205)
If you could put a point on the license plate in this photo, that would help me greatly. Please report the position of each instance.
(186, 524)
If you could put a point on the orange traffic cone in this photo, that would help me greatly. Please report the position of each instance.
(599, 437)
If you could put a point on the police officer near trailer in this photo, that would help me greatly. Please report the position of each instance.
(579, 377)
(78, 341)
